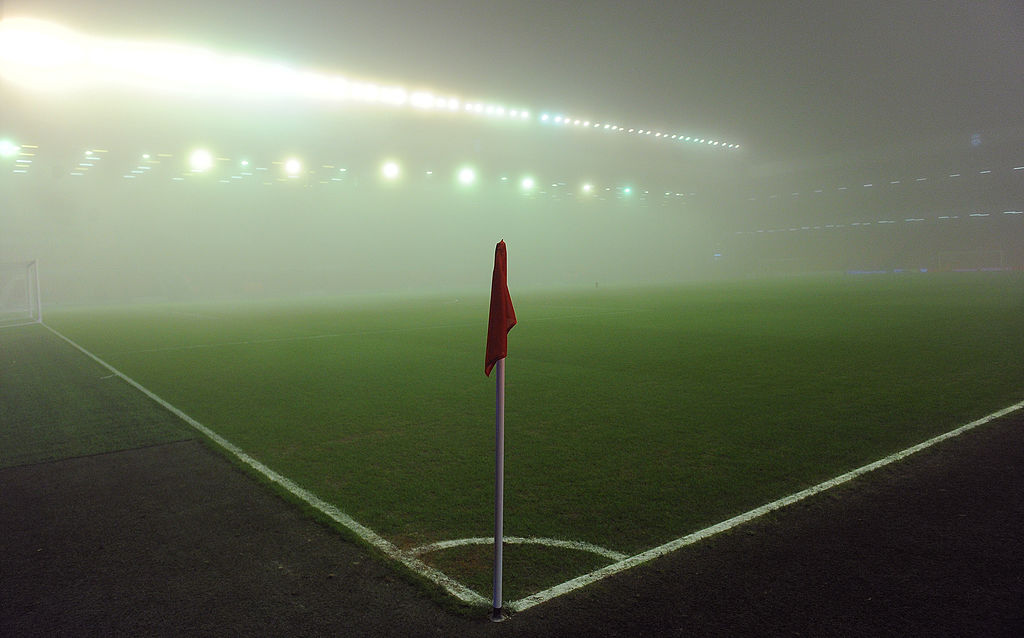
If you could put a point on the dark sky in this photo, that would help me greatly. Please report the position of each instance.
(786, 79)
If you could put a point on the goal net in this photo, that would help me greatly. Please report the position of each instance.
(19, 294)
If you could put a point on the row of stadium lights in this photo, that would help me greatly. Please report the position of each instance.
(894, 182)
(884, 222)
(203, 161)
(576, 122)
(42, 53)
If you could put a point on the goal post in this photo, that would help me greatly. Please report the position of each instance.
(20, 303)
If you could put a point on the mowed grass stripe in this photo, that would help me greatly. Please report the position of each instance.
(663, 411)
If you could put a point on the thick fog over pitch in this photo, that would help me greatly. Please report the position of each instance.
(388, 145)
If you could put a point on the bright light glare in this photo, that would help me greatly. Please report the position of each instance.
(528, 183)
(467, 176)
(8, 148)
(43, 55)
(587, 188)
(390, 170)
(292, 166)
(200, 160)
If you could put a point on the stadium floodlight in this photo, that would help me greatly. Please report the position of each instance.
(9, 148)
(627, 190)
(390, 170)
(527, 184)
(422, 100)
(588, 188)
(201, 160)
(466, 175)
(43, 55)
(292, 167)
(40, 54)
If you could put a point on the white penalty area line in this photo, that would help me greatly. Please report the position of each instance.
(389, 549)
(671, 546)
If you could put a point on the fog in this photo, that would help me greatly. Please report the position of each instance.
(876, 136)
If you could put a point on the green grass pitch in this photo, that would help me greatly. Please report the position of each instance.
(633, 415)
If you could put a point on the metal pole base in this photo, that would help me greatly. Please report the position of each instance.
(497, 615)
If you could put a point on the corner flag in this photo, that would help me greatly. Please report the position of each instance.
(501, 319)
(502, 316)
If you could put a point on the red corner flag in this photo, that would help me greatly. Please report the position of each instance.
(502, 316)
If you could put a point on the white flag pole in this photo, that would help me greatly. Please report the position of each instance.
(499, 484)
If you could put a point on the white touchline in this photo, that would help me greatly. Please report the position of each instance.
(391, 550)
(671, 546)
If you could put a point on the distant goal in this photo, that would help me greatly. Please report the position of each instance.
(19, 294)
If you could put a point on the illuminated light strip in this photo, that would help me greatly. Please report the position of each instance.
(885, 221)
(84, 167)
(565, 120)
(95, 155)
(871, 184)
(46, 55)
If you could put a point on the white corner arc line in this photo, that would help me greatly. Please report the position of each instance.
(383, 545)
(582, 546)
(671, 546)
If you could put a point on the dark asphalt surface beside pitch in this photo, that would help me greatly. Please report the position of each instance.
(173, 540)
